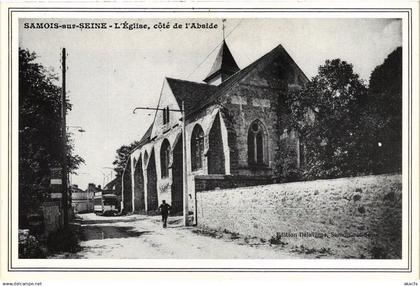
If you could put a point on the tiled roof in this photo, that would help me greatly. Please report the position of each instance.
(225, 86)
(190, 92)
(146, 136)
(145, 139)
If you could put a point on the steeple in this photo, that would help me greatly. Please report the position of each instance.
(223, 67)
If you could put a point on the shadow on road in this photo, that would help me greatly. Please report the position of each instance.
(91, 232)
(99, 221)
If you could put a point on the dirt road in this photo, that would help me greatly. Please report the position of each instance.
(138, 236)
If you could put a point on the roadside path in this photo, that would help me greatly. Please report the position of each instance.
(139, 236)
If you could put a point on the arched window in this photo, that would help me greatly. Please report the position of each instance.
(257, 144)
(146, 157)
(164, 158)
(197, 148)
(166, 117)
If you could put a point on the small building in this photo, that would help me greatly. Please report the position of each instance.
(82, 201)
(235, 127)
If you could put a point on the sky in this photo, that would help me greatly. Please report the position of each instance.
(111, 71)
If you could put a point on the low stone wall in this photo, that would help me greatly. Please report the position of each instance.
(349, 217)
(213, 182)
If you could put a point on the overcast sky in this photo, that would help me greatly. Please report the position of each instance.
(112, 71)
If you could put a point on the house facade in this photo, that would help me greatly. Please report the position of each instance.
(82, 201)
(234, 126)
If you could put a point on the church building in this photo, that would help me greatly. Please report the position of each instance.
(234, 127)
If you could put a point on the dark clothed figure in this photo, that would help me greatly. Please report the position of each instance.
(164, 210)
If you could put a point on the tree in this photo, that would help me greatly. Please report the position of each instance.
(121, 159)
(39, 132)
(382, 130)
(326, 115)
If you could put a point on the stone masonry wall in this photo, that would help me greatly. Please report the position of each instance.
(259, 96)
(213, 182)
(349, 217)
(244, 110)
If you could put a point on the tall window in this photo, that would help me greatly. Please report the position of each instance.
(146, 157)
(165, 112)
(164, 158)
(257, 143)
(197, 148)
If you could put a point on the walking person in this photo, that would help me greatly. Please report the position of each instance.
(164, 210)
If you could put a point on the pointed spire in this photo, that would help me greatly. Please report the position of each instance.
(223, 67)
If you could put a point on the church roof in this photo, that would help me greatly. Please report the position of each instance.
(225, 86)
(224, 63)
(146, 136)
(190, 92)
(145, 139)
(197, 96)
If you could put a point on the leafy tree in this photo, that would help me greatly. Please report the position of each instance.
(326, 114)
(39, 132)
(121, 159)
(382, 130)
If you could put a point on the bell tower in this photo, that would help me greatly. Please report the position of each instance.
(223, 67)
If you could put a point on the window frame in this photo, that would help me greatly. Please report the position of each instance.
(166, 117)
(257, 141)
(165, 158)
(197, 148)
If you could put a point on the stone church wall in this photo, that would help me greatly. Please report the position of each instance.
(348, 217)
(244, 110)
(260, 95)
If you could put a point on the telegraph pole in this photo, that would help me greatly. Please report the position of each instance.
(64, 142)
(184, 163)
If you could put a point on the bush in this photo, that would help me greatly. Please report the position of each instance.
(287, 169)
(29, 246)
